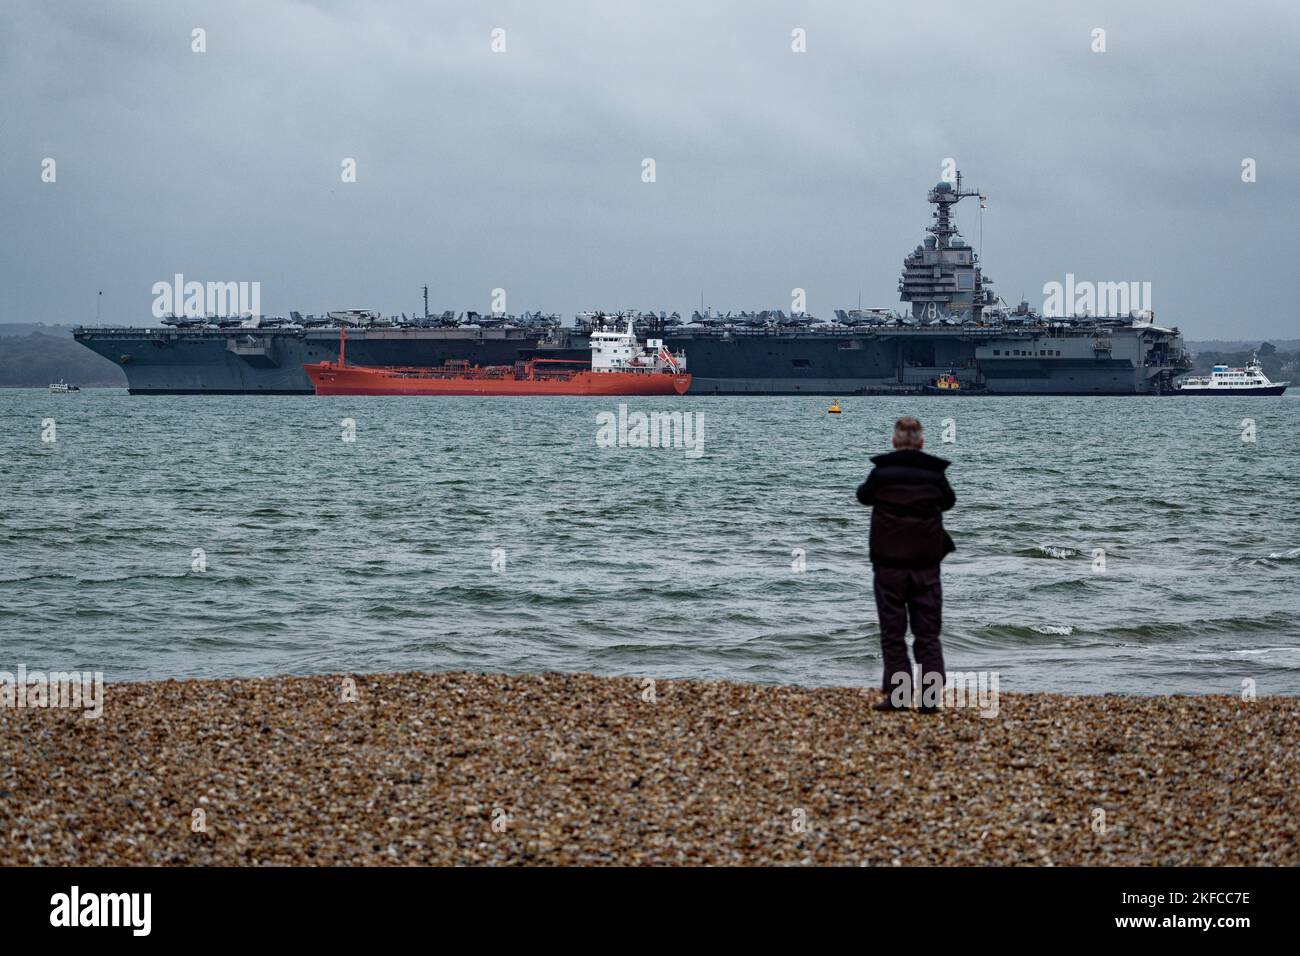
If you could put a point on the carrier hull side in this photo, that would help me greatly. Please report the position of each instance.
(1025, 363)
(990, 362)
(270, 362)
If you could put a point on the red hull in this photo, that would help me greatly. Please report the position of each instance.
(331, 379)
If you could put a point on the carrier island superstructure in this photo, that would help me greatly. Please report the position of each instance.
(956, 326)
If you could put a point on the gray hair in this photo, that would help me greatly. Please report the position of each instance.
(907, 433)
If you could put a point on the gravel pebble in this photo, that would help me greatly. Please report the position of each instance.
(555, 769)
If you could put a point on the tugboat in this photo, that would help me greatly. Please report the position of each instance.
(63, 388)
(1222, 380)
(945, 384)
(619, 366)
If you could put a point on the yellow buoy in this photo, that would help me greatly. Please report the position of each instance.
(835, 408)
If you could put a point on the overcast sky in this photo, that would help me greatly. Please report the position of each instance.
(523, 169)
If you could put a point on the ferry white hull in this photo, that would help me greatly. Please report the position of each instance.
(1252, 390)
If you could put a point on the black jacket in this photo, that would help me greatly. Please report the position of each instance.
(907, 492)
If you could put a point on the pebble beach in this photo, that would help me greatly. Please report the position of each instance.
(474, 769)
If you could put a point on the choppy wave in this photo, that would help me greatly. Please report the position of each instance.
(380, 554)
(1049, 551)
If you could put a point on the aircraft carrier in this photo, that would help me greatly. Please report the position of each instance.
(956, 326)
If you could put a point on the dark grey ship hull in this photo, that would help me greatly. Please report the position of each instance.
(1130, 361)
(270, 361)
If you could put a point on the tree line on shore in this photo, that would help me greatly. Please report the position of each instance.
(1278, 365)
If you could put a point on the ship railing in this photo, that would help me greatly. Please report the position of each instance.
(985, 331)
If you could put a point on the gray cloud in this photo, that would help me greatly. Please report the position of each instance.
(522, 170)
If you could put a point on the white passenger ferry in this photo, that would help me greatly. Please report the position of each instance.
(63, 388)
(1222, 380)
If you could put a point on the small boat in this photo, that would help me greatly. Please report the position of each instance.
(619, 366)
(835, 408)
(63, 388)
(1222, 380)
(945, 384)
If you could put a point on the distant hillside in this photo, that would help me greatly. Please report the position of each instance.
(1238, 345)
(11, 329)
(37, 359)
(1280, 364)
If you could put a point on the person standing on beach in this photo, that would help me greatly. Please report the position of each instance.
(908, 492)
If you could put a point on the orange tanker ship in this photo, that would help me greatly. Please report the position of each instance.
(619, 366)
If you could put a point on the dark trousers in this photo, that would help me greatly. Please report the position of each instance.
(915, 594)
